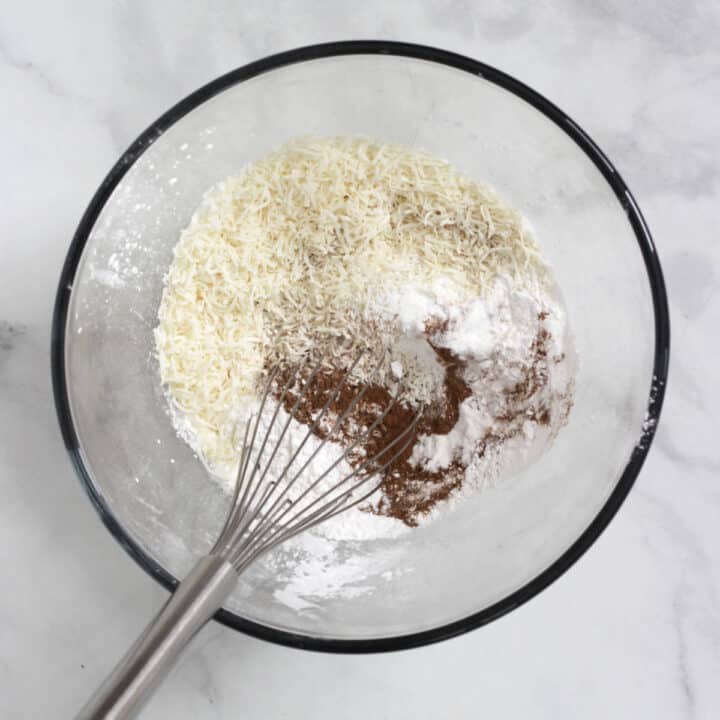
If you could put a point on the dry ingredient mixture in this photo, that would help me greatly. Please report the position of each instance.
(332, 245)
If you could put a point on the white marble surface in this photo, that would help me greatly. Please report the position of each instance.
(633, 630)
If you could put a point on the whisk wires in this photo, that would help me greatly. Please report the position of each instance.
(263, 512)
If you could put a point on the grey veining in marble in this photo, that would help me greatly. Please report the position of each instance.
(633, 630)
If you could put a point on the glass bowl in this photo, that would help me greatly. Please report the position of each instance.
(494, 552)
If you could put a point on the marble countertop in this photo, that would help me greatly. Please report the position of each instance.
(633, 630)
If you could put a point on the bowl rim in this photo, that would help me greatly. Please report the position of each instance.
(458, 62)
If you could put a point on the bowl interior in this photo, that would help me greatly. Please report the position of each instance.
(161, 496)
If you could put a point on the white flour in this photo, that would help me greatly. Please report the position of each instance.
(494, 336)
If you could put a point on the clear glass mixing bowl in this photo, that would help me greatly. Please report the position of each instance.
(494, 552)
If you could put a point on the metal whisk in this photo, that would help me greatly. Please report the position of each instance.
(263, 514)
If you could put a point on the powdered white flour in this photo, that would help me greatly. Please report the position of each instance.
(494, 336)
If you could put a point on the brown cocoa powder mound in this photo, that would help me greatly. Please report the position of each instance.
(409, 491)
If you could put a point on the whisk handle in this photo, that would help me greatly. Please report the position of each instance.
(146, 663)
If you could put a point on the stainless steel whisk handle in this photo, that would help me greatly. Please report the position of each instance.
(264, 512)
(198, 597)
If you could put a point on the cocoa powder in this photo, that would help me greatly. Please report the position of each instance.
(409, 491)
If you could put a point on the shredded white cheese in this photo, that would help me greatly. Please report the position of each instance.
(288, 257)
